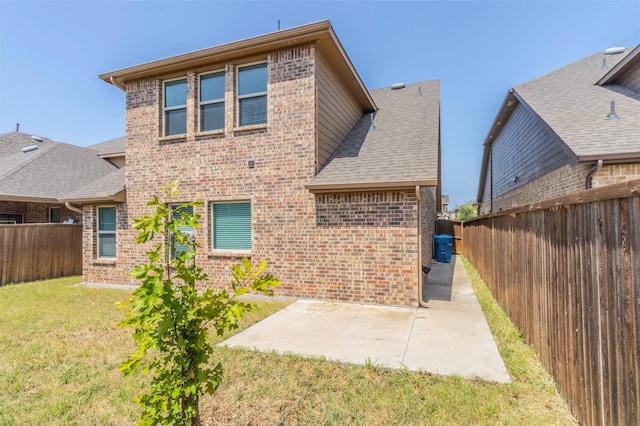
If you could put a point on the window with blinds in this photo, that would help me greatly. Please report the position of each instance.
(175, 107)
(107, 232)
(175, 247)
(211, 101)
(231, 223)
(252, 94)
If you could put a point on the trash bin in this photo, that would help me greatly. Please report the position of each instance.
(443, 245)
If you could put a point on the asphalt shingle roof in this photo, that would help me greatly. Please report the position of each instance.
(402, 148)
(49, 172)
(576, 108)
(112, 146)
(102, 188)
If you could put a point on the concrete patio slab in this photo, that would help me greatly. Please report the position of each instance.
(450, 337)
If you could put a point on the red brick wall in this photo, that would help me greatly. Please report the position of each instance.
(351, 247)
(37, 213)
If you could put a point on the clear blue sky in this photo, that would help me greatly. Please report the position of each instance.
(51, 53)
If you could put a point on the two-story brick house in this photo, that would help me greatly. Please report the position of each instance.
(297, 162)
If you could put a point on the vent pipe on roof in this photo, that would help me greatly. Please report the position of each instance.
(604, 64)
(612, 115)
(419, 91)
(372, 127)
(37, 138)
(29, 148)
(17, 127)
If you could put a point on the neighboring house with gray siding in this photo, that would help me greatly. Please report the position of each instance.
(36, 173)
(552, 136)
(298, 163)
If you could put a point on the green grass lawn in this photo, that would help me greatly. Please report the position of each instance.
(60, 348)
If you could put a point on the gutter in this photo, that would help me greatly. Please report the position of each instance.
(319, 188)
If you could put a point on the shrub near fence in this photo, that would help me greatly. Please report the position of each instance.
(39, 251)
(567, 274)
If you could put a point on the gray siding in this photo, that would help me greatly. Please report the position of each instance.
(338, 111)
(631, 79)
(524, 148)
(485, 206)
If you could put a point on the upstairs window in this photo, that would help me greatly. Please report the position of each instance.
(107, 232)
(175, 107)
(212, 101)
(252, 94)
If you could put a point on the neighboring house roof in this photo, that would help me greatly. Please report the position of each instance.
(110, 187)
(321, 33)
(110, 148)
(630, 63)
(400, 151)
(572, 105)
(47, 173)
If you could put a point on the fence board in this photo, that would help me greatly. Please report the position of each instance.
(453, 228)
(33, 252)
(567, 273)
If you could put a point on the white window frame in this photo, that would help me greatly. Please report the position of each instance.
(213, 225)
(173, 108)
(250, 95)
(213, 101)
(100, 233)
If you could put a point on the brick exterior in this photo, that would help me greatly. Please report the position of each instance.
(562, 181)
(360, 247)
(616, 173)
(37, 212)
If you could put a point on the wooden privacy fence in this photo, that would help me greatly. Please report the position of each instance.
(39, 251)
(567, 274)
(453, 228)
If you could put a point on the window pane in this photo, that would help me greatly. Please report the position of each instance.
(232, 226)
(212, 116)
(252, 79)
(175, 93)
(212, 87)
(107, 245)
(175, 122)
(175, 247)
(106, 219)
(54, 215)
(253, 111)
(10, 219)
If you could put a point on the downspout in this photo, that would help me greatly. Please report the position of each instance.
(113, 81)
(593, 171)
(422, 270)
(72, 208)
